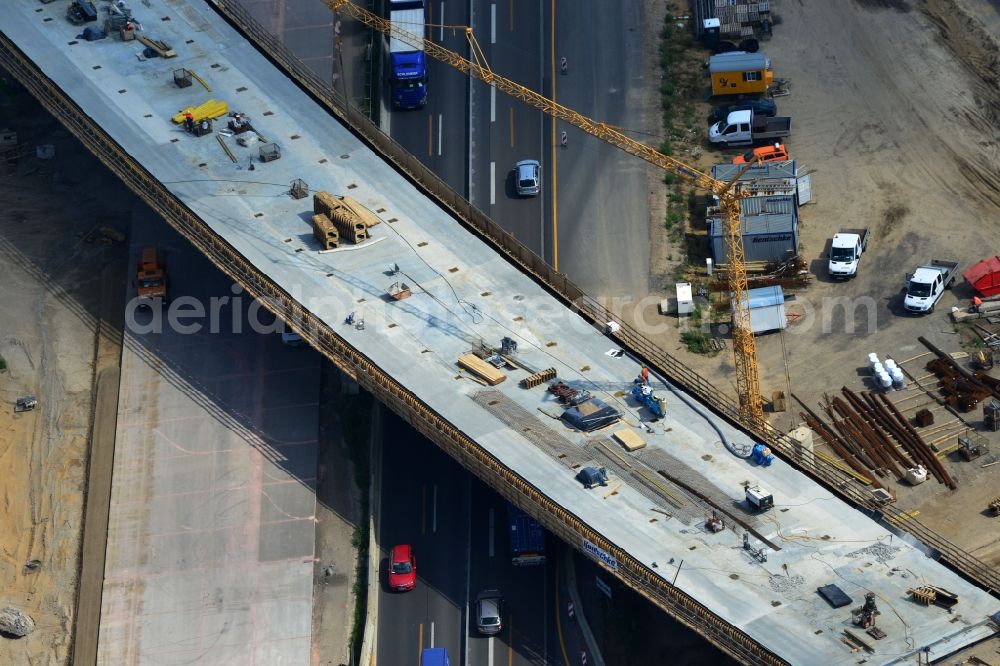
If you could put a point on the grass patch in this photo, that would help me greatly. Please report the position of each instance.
(696, 341)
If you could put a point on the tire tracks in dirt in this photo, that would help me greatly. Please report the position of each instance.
(979, 54)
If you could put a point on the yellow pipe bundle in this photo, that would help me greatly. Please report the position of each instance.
(213, 108)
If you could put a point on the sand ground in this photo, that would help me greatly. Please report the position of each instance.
(50, 304)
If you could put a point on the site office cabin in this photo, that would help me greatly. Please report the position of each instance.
(739, 73)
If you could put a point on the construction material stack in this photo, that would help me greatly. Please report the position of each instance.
(325, 232)
(344, 216)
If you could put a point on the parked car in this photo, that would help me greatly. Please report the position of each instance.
(489, 612)
(760, 107)
(773, 153)
(402, 568)
(528, 178)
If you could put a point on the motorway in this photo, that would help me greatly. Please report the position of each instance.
(458, 530)
(471, 137)
(597, 232)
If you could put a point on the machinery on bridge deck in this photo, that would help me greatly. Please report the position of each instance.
(643, 392)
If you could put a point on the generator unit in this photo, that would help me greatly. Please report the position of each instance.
(759, 499)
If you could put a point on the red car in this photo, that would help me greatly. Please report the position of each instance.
(402, 568)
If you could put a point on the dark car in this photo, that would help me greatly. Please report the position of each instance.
(760, 107)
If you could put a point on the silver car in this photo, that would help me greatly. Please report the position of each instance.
(489, 612)
(528, 178)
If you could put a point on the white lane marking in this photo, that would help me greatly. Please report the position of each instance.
(489, 651)
(439, 135)
(491, 533)
(493, 24)
(493, 104)
(434, 514)
(441, 18)
(432, 634)
(493, 183)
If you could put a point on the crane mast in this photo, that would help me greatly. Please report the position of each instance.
(744, 345)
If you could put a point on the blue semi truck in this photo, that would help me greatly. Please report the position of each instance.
(434, 657)
(527, 538)
(407, 63)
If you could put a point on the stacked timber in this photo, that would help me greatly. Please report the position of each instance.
(481, 369)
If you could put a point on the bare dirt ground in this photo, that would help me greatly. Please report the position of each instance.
(48, 337)
(895, 105)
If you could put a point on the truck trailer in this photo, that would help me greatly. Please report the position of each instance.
(527, 538)
(437, 656)
(407, 63)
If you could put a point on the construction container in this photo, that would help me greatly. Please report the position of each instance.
(984, 276)
(740, 73)
(766, 237)
(767, 309)
(768, 179)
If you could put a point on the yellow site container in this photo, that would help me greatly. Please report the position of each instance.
(739, 73)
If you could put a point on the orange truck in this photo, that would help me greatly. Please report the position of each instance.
(151, 277)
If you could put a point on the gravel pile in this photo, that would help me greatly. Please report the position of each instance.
(783, 584)
(879, 551)
(15, 623)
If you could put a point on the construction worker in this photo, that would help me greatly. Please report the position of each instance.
(645, 375)
(976, 303)
(189, 122)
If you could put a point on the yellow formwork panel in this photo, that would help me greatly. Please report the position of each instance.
(213, 108)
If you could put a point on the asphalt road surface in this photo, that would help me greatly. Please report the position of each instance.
(458, 530)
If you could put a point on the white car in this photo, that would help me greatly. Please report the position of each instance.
(528, 178)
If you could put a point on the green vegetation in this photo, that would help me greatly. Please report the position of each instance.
(696, 340)
(355, 420)
(678, 88)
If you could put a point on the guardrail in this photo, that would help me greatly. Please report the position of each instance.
(562, 287)
(556, 518)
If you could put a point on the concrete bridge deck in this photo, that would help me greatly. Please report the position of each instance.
(465, 293)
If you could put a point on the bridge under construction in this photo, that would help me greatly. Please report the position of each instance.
(455, 326)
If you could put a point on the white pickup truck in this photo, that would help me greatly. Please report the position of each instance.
(846, 249)
(745, 128)
(925, 286)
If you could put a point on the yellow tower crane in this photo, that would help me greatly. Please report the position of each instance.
(744, 345)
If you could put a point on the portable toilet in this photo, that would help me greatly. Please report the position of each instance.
(740, 73)
(685, 304)
(710, 29)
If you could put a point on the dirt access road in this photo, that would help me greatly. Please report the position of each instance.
(53, 284)
(895, 107)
